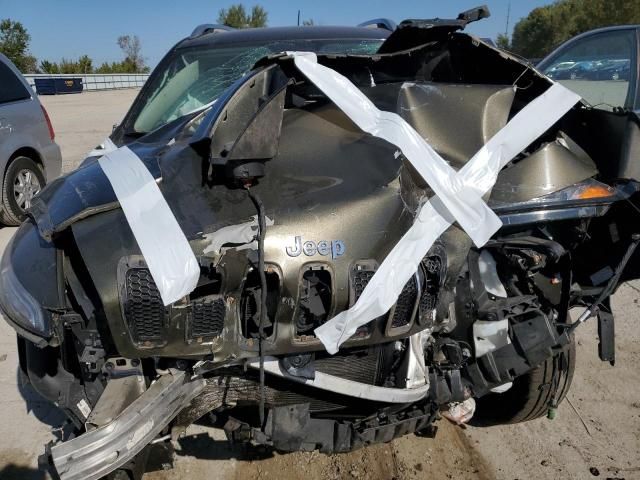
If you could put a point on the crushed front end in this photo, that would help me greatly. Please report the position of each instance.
(289, 209)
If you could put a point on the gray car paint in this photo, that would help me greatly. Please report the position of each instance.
(22, 125)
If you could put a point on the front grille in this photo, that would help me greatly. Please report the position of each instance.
(432, 267)
(404, 308)
(359, 281)
(207, 318)
(143, 308)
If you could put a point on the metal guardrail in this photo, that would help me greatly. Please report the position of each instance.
(96, 81)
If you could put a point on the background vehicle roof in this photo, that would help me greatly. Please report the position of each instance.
(283, 33)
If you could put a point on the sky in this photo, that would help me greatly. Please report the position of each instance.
(71, 28)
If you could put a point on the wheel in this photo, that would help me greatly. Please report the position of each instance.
(532, 394)
(22, 181)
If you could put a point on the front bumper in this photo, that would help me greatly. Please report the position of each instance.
(96, 453)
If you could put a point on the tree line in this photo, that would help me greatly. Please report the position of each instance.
(15, 40)
(537, 34)
(236, 16)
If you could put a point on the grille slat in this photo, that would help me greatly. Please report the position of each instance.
(360, 279)
(405, 305)
(143, 308)
(433, 270)
(207, 318)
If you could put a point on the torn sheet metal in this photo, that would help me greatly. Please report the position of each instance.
(478, 175)
(466, 206)
(164, 246)
(237, 237)
(417, 372)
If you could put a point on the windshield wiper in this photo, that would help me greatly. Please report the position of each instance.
(134, 134)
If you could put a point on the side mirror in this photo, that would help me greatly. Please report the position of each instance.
(259, 141)
(244, 129)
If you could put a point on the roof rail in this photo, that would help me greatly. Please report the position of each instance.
(384, 23)
(209, 28)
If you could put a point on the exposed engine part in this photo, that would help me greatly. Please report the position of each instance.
(300, 366)
(251, 303)
(340, 385)
(315, 300)
(515, 333)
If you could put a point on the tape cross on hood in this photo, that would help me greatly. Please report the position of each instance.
(471, 212)
(458, 194)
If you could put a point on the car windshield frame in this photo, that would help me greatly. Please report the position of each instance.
(156, 78)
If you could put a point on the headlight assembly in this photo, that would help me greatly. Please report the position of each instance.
(18, 304)
(586, 199)
(22, 311)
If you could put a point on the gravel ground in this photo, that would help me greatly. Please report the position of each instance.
(83, 121)
(596, 432)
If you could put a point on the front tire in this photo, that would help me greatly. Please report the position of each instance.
(22, 181)
(532, 394)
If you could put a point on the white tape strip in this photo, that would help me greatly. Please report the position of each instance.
(477, 176)
(164, 246)
(471, 212)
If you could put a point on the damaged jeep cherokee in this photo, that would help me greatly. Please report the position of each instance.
(324, 250)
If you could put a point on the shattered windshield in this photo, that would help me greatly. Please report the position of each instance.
(195, 77)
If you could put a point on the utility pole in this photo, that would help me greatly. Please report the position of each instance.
(298, 17)
(506, 28)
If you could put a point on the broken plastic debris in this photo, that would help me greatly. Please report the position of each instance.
(417, 374)
(502, 388)
(489, 336)
(239, 237)
(460, 413)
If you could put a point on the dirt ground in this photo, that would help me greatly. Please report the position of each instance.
(596, 433)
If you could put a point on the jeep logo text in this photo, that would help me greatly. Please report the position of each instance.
(335, 248)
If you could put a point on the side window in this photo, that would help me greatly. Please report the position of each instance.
(598, 67)
(11, 88)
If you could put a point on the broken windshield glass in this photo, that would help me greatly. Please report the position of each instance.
(195, 77)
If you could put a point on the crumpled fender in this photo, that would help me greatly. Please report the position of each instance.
(87, 191)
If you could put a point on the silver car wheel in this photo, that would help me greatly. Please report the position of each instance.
(25, 187)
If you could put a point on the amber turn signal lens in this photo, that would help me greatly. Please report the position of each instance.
(593, 191)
